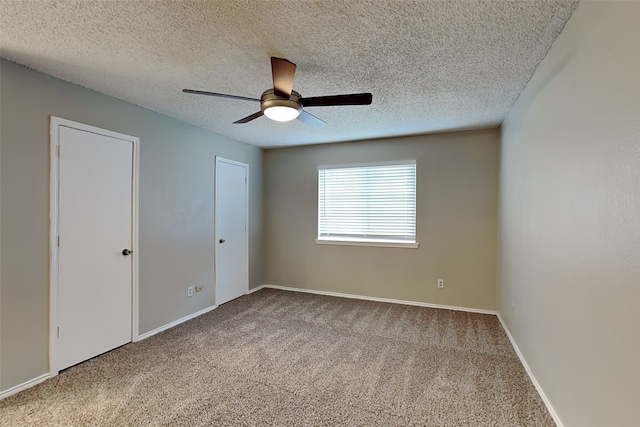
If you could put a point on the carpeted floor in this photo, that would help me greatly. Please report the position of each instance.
(276, 358)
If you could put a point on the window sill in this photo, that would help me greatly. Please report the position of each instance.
(367, 243)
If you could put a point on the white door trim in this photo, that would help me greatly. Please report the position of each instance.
(220, 159)
(54, 179)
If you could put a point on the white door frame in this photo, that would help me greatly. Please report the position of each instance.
(220, 159)
(54, 184)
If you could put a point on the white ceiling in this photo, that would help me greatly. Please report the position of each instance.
(431, 66)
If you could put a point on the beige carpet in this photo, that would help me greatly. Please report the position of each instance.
(276, 358)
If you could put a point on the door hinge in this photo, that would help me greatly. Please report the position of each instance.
(58, 241)
(58, 332)
(58, 150)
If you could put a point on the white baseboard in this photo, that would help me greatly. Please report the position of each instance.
(25, 385)
(535, 382)
(256, 289)
(368, 298)
(175, 322)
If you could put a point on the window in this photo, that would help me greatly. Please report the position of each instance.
(367, 205)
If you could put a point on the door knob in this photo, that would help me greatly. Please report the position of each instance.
(222, 240)
(126, 252)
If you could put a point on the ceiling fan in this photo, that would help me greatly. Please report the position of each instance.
(283, 104)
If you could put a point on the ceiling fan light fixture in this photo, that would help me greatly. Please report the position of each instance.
(281, 113)
(280, 108)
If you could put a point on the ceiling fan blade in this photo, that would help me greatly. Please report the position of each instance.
(283, 72)
(327, 101)
(311, 120)
(221, 95)
(249, 118)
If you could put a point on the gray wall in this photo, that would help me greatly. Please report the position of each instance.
(570, 219)
(457, 181)
(176, 210)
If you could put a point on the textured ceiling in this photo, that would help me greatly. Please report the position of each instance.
(431, 66)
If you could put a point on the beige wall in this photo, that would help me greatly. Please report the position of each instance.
(457, 176)
(570, 219)
(176, 210)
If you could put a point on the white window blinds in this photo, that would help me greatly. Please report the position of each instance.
(374, 203)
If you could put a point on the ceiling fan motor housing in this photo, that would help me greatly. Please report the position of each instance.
(270, 99)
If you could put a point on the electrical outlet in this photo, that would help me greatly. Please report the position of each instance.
(440, 283)
(199, 288)
(190, 291)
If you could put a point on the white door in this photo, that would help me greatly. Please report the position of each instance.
(231, 209)
(94, 309)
